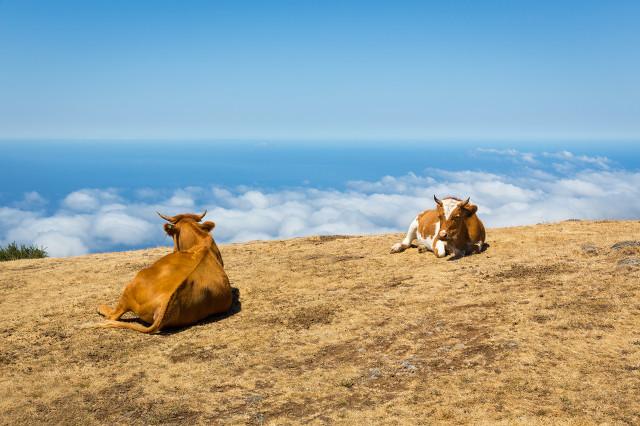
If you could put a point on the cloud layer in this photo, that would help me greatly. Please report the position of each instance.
(547, 187)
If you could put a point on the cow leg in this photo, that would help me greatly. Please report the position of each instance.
(113, 313)
(158, 319)
(412, 233)
(457, 254)
(440, 249)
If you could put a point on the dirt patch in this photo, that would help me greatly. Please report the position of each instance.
(187, 352)
(303, 318)
(633, 262)
(345, 258)
(333, 258)
(313, 315)
(541, 318)
(590, 249)
(396, 281)
(584, 305)
(327, 238)
(626, 252)
(487, 305)
(523, 271)
(625, 244)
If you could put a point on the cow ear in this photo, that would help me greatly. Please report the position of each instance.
(470, 209)
(207, 226)
(170, 229)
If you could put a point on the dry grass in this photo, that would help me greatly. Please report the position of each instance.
(542, 328)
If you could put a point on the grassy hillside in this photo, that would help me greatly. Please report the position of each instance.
(543, 327)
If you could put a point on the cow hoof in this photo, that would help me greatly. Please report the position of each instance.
(440, 253)
(104, 310)
(397, 248)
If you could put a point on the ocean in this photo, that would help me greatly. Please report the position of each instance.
(55, 168)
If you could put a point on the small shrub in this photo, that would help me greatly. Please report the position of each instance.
(347, 383)
(13, 252)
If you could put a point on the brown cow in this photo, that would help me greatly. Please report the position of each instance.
(453, 227)
(179, 289)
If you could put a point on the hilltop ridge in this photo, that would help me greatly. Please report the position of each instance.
(543, 327)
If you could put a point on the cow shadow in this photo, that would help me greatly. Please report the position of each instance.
(236, 306)
(484, 248)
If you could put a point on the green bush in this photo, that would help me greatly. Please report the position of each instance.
(14, 252)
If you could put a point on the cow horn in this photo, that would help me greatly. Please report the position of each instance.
(202, 216)
(171, 219)
(465, 202)
(438, 202)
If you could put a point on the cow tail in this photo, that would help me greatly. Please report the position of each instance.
(157, 321)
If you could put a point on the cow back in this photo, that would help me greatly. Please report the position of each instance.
(427, 222)
(204, 292)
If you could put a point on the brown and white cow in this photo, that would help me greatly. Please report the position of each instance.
(182, 287)
(451, 228)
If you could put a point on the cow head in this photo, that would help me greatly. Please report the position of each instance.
(453, 213)
(186, 229)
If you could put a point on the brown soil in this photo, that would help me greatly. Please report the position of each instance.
(542, 328)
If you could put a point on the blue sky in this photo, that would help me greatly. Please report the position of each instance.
(320, 69)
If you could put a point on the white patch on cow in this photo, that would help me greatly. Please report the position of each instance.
(412, 233)
(430, 242)
(449, 205)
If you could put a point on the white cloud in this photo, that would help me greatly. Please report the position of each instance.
(120, 228)
(102, 220)
(578, 188)
(61, 235)
(87, 200)
(572, 160)
(392, 184)
(147, 193)
(81, 200)
(33, 197)
(184, 198)
(253, 199)
(568, 160)
(61, 245)
(31, 200)
(527, 157)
